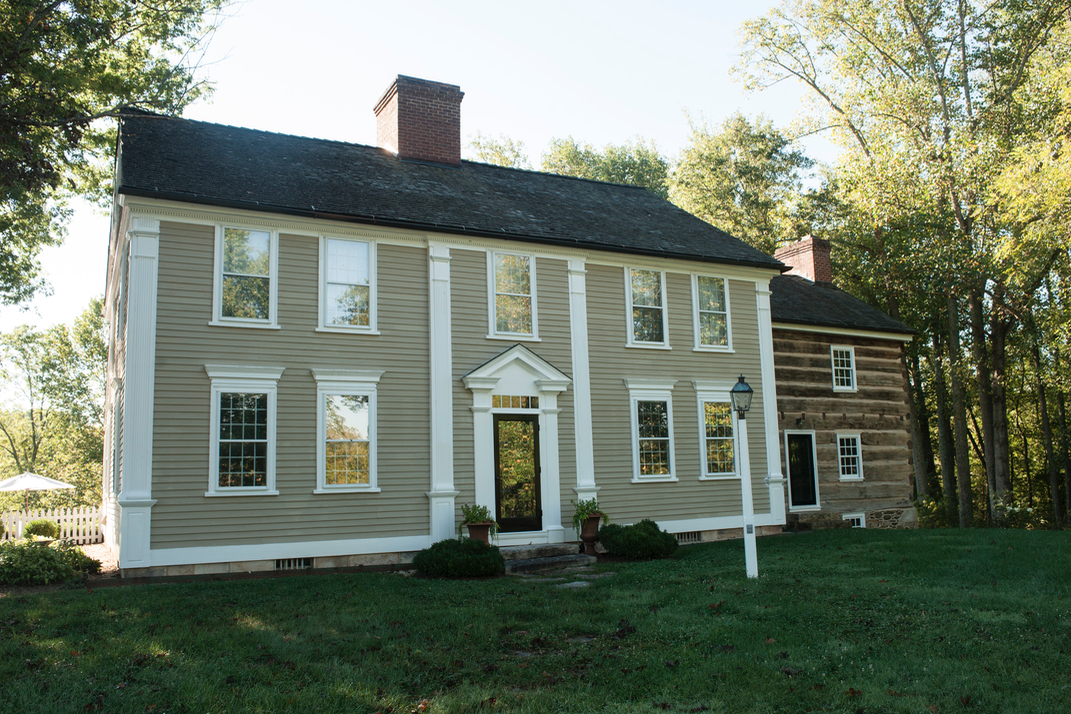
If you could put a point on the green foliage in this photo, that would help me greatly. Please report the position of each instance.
(461, 557)
(25, 563)
(642, 540)
(41, 527)
(475, 513)
(502, 151)
(584, 509)
(636, 162)
(76, 557)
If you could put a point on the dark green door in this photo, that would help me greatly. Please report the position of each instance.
(517, 473)
(802, 490)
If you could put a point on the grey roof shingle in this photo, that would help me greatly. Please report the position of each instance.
(199, 162)
(797, 300)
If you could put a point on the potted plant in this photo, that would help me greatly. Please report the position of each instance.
(478, 519)
(586, 522)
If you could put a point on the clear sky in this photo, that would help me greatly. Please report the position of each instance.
(601, 72)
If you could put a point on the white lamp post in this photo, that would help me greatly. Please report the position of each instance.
(740, 397)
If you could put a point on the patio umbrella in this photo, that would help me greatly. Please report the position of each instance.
(31, 482)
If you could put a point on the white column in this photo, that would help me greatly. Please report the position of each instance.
(775, 481)
(135, 500)
(550, 478)
(578, 329)
(442, 491)
(483, 440)
(751, 559)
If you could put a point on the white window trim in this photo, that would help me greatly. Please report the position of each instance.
(272, 323)
(859, 454)
(630, 340)
(860, 515)
(362, 382)
(833, 374)
(699, 346)
(715, 391)
(650, 390)
(493, 332)
(373, 324)
(814, 465)
(242, 378)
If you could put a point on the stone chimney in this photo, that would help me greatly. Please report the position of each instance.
(420, 120)
(809, 258)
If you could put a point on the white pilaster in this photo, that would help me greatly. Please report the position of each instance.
(135, 499)
(442, 491)
(483, 439)
(775, 481)
(550, 476)
(578, 329)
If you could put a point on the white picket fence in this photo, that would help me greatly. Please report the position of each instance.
(80, 525)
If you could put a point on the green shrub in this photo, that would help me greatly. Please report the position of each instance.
(460, 557)
(642, 540)
(76, 557)
(41, 527)
(25, 563)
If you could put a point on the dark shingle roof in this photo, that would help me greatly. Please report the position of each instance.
(198, 162)
(797, 300)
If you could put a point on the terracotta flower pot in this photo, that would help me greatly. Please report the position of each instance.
(589, 532)
(480, 531)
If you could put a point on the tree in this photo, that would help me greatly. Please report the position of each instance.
(635, 162)
(744, 179)
(502, 151)
(65, 67)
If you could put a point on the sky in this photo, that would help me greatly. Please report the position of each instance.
(601, 72)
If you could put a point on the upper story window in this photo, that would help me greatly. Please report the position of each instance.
(710, 316)
(843, 368)
(651, 412)
(513, 296)
(647, 313)
(246, 287)
(347, 285)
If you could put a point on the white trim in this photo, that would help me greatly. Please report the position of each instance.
(242, 379)
(586, 487)
(861, 515)
(774, 481)
(665, 385)
(696, 332)
(833, 367)
(492, 304)
(715, 523)
(858, 454)
(715, 391)
(218, 320)
(893, 336)
(650, 390)
(630, 340)
(289, 549)
(442, 493)
(814, 465)
(373, 326)
(346, 382)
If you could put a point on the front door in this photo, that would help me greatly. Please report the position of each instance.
(802, 489)
(517, 495)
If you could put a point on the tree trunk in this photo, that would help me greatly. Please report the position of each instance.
(998, 336)
(924, 421)
(918, 452)
(985, 390)
(1046, 434)
(959, 414)
(1061, 400)
(946, 450)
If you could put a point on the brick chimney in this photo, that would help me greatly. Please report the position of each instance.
(420, 120)
(809, 258)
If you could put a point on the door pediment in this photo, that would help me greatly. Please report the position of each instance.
(516, 366)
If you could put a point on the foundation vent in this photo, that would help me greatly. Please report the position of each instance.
(689, 538)
(293, 564)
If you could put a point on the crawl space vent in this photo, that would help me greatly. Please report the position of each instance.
(689, 538)
(293, 564)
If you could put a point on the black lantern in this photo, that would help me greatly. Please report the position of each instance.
(740, 395)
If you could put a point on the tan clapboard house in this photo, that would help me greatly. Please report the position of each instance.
(321, 350)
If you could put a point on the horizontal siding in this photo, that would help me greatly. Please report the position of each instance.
(612, 362)
(183, 516)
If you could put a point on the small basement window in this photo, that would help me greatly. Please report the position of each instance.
(858, 520)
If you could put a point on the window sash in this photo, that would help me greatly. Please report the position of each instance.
(719, 438)
(246, 274)
(647, 308)
(849, 457)
(843, 368)
(513, 288)
(712, 311)
(242, 447)
(347, 442)
(347, 277)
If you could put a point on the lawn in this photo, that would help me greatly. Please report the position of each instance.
(844, 621)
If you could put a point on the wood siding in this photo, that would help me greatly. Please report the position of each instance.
(877, 411)
(612, 362)
(185, 342)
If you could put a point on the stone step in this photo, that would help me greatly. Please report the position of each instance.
(537, 550)
(557, 562)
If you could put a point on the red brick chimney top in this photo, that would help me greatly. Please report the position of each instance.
(809, 258)
(420, 120)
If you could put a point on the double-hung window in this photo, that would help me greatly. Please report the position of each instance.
(246, 288)
(850, 457)
(717, 430)
(651, 412)
(242, 453)
(710, 314)
(512, 295)
(646, 291)
(347, 285)
(843, 368)
(346, 430)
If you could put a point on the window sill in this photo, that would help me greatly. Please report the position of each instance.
(515, 338)
(850, 479)
(347, 489)
(654, 479)
(347, 330)
(722, 350)
(248, 325)
(647, 346)
(845, 390)
(805, 509)
(241, 492)
(722, 477)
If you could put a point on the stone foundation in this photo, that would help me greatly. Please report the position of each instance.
(376, 560)
(886, 518)
(893, 518)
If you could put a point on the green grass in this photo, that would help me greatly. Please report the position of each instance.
(845, 621)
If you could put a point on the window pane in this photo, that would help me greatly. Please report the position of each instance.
(245, 296)
(346, 462)
(348, 305)
(513, 313)
(711, 294)
(347, 262)
(842, 369)
(246, 252)
(719, 420)
(712, 329)
(720, 456)
(654, 457)
(243, 463)
(849, 457)
(653, 420)
(647, 324)
(512, 274)
(647, 288)
(347, 417)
